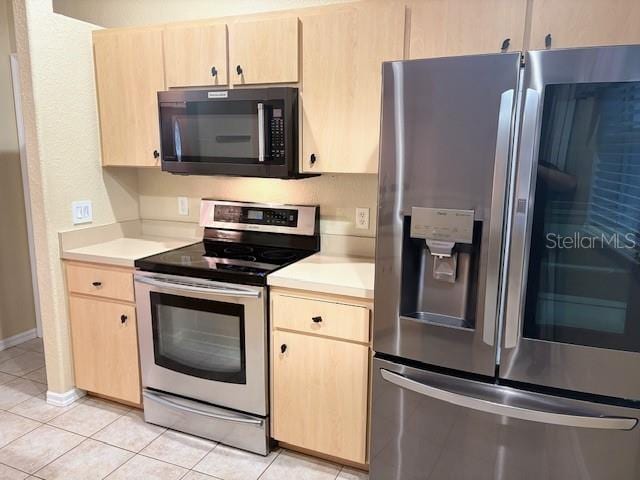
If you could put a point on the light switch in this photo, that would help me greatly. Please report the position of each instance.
(183, 206)
(81, 212)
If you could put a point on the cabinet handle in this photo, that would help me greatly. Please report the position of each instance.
(283, 348)
(156, 154)
(97, 284)
(316, 319)
(547, 41)
(239, 70)
(123, 319)
(214, 72)
(313, 158)
(505, 45)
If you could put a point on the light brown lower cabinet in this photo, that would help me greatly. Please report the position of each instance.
(104, 331)
(320, 383)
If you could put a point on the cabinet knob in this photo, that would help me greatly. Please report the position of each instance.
(547, 41)
(214, 71)
(156, 154)
(313, 158)
(316, 319)
(123, 318)
(283, 348)
(505, 44)
(239, 70)
(97, 284)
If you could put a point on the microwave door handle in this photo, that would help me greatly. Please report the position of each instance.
(501, 163)
(177, 140)
(261, 132)
(187, 287)
(522, 217)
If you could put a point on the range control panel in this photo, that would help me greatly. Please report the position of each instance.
(256, 215)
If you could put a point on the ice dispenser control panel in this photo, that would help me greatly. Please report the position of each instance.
(441, 229)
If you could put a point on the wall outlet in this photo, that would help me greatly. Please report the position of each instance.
(183, 206)
(362, 218)
(81, 212)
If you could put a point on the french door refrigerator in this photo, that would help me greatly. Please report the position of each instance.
(507, 297)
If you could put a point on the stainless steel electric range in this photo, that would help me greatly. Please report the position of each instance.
(202, 320)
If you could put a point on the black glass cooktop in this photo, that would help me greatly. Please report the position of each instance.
(223, 261)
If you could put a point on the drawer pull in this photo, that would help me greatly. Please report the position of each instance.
(283, 348)
(317, 319)
(123, 319)
(97, 284)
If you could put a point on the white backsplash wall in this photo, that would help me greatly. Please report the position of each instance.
(337, 195)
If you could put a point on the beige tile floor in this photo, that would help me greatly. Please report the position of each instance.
(94, 439)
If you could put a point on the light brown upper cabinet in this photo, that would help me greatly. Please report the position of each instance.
(440, 28)
(264, 51)
(583, 23)
(343, 50)
(129, 72)
(195, 55)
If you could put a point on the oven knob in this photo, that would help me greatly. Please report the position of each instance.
(283, 348)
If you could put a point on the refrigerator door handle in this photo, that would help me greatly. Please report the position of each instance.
(564, 417)
(522, 217)
(501, 163)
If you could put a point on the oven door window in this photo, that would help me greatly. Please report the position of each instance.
(200, 338)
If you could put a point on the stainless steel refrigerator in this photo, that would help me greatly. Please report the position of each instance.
(507, 297)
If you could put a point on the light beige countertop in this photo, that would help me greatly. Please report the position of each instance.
(123, 251)
(338, 275)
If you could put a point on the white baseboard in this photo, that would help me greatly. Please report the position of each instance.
(17, 339)
(66, 398)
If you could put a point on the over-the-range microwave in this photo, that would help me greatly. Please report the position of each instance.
(241, 132)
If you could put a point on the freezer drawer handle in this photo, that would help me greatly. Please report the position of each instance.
(167, 283)
(564, 419)
(155, 397)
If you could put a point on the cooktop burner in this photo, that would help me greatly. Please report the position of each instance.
(213, 259)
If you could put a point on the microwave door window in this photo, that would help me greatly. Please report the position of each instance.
(583, 283)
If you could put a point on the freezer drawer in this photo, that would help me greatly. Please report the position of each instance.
(431, 426)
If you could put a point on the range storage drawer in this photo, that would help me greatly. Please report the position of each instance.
(331, 319)
(106, 282)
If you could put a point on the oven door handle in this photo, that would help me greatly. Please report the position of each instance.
(192, 287)
(163, 400)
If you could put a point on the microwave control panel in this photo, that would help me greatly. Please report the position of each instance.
(282, 217)
(277, 134)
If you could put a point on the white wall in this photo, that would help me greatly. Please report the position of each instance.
(17, 312)
(122, 13)
(63, 151)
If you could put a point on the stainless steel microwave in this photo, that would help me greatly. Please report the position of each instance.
(241, 132)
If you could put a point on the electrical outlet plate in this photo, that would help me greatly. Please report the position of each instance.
(81, 212)
(183, 206)
(362, 218)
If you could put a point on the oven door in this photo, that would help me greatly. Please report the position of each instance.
(573, 292)
(235, 132)
(203, 340)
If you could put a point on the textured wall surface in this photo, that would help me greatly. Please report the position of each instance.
(17, 312)
(121, 13)
(63, 153)
(337, 195)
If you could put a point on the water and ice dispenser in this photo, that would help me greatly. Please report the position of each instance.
(440, 266)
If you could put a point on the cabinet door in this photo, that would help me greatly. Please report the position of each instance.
(105, 348)
(195, 55)
(584, 23)
(320, 392)
(343, 51)
(442, 28)
(264, 51)
(129, 73)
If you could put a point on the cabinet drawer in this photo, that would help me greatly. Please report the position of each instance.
(101, 282)
(348, 322)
